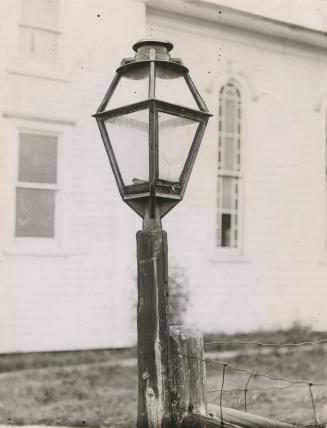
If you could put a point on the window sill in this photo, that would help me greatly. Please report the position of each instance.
(40, 71)
(36, 253)
(36, 248)
(228, 256)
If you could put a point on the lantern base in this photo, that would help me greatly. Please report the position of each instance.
(140, 205)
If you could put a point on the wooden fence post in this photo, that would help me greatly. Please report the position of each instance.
(188, 373)
(188, 398)
(153, 331)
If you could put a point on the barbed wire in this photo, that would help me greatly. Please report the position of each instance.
(277, 345)
(293, 383)
(264, 388)
(257, 374)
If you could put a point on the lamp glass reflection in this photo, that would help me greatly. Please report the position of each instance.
(129, 136)
(176, 135)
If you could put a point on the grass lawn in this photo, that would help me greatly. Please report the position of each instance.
(98, 388)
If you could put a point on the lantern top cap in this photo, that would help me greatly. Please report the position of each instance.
(149, 49)
(153, 43)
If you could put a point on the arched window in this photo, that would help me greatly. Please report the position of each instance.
(229, 167)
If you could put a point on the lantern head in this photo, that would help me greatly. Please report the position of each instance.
(152, 120)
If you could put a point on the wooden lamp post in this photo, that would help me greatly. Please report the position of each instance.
(152, 120)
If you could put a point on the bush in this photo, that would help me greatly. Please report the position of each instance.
(178, 294)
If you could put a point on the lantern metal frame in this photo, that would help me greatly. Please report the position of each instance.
(165, 194)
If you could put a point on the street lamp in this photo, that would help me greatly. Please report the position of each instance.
(152, 120)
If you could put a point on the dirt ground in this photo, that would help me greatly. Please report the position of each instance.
(99, 388)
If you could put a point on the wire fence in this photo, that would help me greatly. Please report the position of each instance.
(254, 374)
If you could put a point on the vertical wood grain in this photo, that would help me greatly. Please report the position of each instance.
(153, 332)
(188, 373)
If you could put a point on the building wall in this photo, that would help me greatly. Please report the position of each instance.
(63, 295)
(80, 291)
(279, 275)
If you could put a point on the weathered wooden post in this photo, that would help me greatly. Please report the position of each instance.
(188, 373)
(152, 327)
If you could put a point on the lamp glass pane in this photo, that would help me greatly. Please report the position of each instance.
(133, 86)
(173, 88)
(129, 137)
(176, 135)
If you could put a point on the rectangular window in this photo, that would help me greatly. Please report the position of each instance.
(39, 34)
(37, 186)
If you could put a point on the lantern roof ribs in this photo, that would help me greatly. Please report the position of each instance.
(207, 11)
(174, 63)
(108, 94)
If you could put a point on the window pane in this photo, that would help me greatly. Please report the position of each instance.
(229, 153)
(230, 115)
(176, 136)
(173, 88)
(35, 213)
(129, 136)
(132, 87)
(40, 12)
(37, 158)
(227, 193)
(226, 238)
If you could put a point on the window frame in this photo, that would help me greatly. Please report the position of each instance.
(58, 70)
(237, 173)
(22, 245)
(56, 187)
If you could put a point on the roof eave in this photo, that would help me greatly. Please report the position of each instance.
(229, 17)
